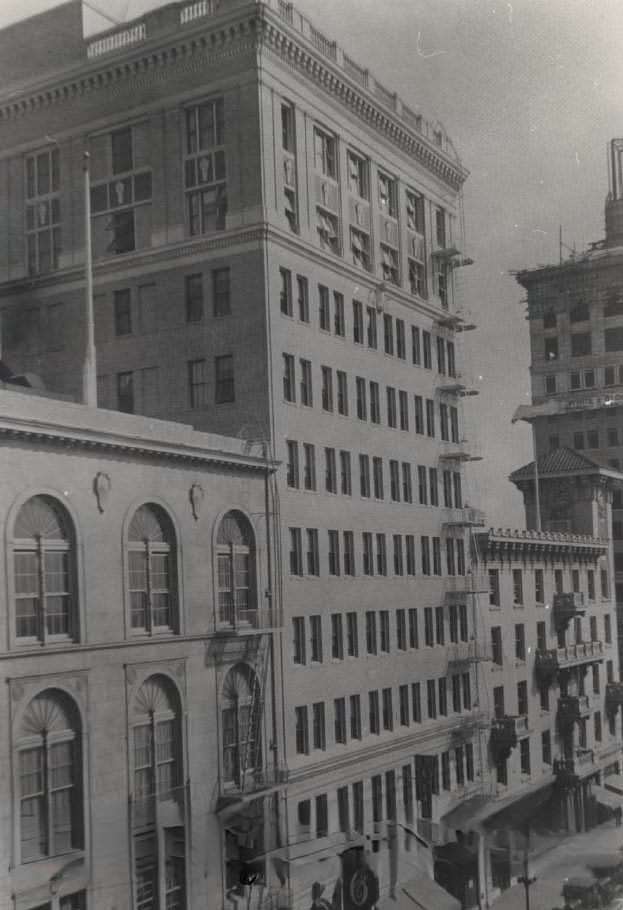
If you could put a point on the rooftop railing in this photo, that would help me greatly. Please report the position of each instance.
(116, 41)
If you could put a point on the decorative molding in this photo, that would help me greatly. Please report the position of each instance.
(101, 487)
(196, 495)
(189, 51)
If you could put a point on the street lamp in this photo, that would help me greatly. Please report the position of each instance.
(526, 880)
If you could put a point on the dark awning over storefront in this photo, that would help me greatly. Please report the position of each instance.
(606, 798)
(421, 894)
(614, 782)
(511, 811)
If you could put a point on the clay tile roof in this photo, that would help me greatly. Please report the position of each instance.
(560, 461)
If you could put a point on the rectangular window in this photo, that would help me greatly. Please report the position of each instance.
(436, 556)
(439, 626)
(388, 333)
(388, 200)
(346, 485)
(298, 633)
(327, 388)
(388, 710)
(303, 297)
(433, 486)
(358, 175)
(342, 393)
(205, 168)
(374, 714)
(581, 345)
(322, 815)
(403, 408)
(364, 476)
(377, 474)
(429, 638)
(302, 730)
(524, 755)
(444, 431)
(43, 212)
(497, 655)
(360, 388)
(398, 557)
(410, 553)
(401, 630)
(296, 552)
(430, 417)
(407, 486)
(330, 471)
(125, 391)
(607, 629)
(403, 702)
(315, 628)
(377, 798)
(309, 477)
(355, 717)
(467, 693)
(517, 587)
(123, 312)
(384, 628)
(431, 699)
(371, 645)
(520, 642)
(443, 696)
(334, 553)
(352, 635)
(375, 402)
(416, 702)
(494, 587)
(427, 350)
(381, 554)
(306, 383)
(349, 553)
(422, 485)
(419, 414)
(339, 323)
(401, 344)
(319, 740)
(372, 328)
(313, 555)
(221, 294)
(224, 387)
(546, 747)
(197, 383)
(194, 298)
(441, 356)
(324, 308)
(358, 807)
(368, 557)
(416, 347)
(425, 547)
(357, 322)
(339, 713)
(292, 463)
(288, 378)
(285, 292)
(522, 698)
(325, 158)
(539, 586)
(391, 407)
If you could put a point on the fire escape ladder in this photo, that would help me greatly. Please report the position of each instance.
(252, 740)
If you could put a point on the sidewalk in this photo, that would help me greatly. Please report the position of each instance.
(570, 858)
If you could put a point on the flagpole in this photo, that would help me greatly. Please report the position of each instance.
(536, 479)
(89, 375)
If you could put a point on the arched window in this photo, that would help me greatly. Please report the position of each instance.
(44, 556)
(151, 558)
(241, 718)
(236, 570)
(50, 780)
(157, 741)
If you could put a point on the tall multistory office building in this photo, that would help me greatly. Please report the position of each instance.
(276, 239)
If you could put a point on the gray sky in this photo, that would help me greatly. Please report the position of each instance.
(530, 93)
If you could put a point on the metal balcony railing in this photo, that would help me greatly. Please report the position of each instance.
(569, 771)
(234, 620)
(567, 606)
(505, 732)
(614, 695)
(463, 518)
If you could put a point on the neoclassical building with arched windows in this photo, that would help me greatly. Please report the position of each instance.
(139, 642)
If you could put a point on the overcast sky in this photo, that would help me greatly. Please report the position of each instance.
(530, 93)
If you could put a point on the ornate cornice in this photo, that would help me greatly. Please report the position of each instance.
(359, 102)
(499, 544)
(190, 49)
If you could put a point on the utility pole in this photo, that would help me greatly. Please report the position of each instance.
(89, 375)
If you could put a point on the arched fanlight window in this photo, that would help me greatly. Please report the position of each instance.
(44, 559)
(157, 740)
(50, 779)
(151, 558)
(241, 720)
(236, 570)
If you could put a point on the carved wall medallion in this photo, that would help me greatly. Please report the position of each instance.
(102, 486)
(197, 496)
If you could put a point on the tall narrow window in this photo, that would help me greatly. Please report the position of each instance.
(224, 387)
(50, 781)
(43, 212)
(205, 173)
(44, 559)
(197, 383)
(151, 571)
(221, 294)
(236, 570)
(157, 749)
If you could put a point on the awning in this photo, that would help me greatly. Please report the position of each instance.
(421, 894)
(614, 782)
(606, 797)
